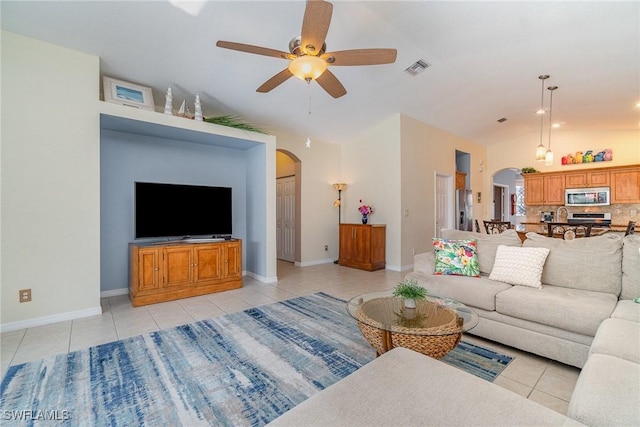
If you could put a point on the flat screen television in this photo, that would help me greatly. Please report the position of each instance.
(177, 210)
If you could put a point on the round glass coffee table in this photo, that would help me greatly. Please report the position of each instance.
(433, 328)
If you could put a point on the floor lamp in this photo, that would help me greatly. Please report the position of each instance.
(338, 203)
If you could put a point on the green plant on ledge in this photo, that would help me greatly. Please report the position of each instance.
(528, 170)
(234, 122)
(409, 289)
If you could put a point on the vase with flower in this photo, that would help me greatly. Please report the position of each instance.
(365, 210)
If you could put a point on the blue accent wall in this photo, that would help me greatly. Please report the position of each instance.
(128, 157)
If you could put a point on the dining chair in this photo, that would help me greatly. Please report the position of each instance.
(631, 228)
(496, 227)
(568, 231)
(477, 226)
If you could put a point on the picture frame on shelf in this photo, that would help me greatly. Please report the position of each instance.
(128, 94)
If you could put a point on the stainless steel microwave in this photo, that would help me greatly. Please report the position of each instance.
(587, 196)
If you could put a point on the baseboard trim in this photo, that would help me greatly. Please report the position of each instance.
(47, 320)
(311, 263)
(261, 278)
(114, 292)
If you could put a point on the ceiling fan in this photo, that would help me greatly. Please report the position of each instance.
(308, 56)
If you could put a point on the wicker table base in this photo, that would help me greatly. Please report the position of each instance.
(441, 336)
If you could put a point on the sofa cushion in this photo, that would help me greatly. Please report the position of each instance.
(406, 388)
(628, 310)
(607, 392)
(630, 267)
(473, 291)
(620, 338)
(570, 309)
(487, 244)
(519, 266)
(456, 257)
(590, 263)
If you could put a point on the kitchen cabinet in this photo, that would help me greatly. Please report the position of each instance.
(167, 272)
(543, 189)
(461, 180)
(598, 178)
(362, 246)
(625, 185)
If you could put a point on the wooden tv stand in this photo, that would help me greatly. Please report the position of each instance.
(165, 272)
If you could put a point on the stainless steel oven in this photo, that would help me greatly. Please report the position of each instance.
(587, 196)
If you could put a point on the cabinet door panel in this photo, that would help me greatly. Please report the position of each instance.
(533, 190)
(148, 269)
(625, 186)
(178, 266)
(233, 260)
(208, 262)
(554, 190)
(346, 241)
(576, 180)
(598, 179)
(362, 244)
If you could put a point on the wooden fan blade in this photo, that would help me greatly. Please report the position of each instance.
(361, 57)
(315, 26)
(253, 49)
(331, 84)
(275, 81)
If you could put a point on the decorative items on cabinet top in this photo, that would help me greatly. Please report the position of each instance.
(588, 156)
(141, 97)
(365, 210)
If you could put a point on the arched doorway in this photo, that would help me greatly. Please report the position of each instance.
(508, 196)
(288, 212)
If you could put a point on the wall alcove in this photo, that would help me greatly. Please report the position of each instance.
(138, 145)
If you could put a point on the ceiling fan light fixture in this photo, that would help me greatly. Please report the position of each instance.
(307, 67)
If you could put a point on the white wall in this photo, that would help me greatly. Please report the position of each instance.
(320, 168)
(427, 151)
(50, 182)
(371, 170)
(520, 152)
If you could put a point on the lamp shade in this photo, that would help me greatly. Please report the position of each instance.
(339, 186)
(307, 67)
(540, 152)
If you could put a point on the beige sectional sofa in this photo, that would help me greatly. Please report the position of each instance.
(583, 281)
(583, 315)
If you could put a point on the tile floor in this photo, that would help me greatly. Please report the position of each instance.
(545, 381)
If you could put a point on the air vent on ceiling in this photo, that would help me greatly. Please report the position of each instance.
(502, 120)
(417, 67)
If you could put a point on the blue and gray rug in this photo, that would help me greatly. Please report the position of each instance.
(242, 369)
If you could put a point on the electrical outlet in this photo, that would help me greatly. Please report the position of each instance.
(24, 295)
(326, 248)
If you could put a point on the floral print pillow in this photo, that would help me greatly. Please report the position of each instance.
(456, 257)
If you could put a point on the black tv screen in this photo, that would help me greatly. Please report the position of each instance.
(176, 210)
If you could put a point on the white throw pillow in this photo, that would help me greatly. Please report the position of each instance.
(519, 265)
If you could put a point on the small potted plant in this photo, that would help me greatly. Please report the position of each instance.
(411, 291)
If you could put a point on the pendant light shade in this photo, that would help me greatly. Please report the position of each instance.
(548, 157)
(541, 151)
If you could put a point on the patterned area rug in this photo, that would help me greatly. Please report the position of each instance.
(242, 369)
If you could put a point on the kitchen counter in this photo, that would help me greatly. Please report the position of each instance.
(541, 228)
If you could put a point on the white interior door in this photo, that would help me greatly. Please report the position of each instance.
(286, 218)
(443, 203)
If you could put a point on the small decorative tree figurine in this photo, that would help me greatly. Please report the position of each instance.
(411, 291)
(198, 106)
(168, 104)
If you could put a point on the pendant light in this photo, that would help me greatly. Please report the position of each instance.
(540, 151)
(548, 157)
